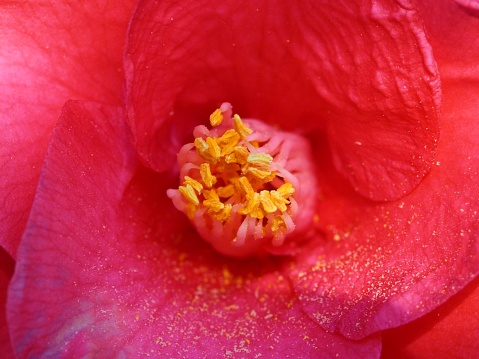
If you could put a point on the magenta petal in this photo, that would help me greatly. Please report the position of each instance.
(395, 262)
(50, 51)
(6, 271)
(450, 331)
(107, 267)
(291, 63)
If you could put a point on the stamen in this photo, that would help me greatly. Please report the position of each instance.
(235, 191)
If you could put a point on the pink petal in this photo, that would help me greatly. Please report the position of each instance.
(291, 64)
(450, 331)
(394, 262)
(107, 267)
(51, 51)
(453, 29)
(6, 271)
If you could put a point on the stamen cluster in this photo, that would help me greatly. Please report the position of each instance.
(231, 186)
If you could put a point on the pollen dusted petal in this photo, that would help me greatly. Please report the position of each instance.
(237, 192)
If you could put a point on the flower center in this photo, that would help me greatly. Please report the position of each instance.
(241, 183)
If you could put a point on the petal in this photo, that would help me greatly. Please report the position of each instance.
(51, 51)
(116, 273)
(450, 331)
(453, 29)
(384, 265)
(291, 64)
(6, 271)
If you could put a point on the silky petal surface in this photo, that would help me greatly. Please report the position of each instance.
(363, 71)
(453, 30)
(450, 331)
(6, 271)
(107, 267)
(51, 51)
(387, 264)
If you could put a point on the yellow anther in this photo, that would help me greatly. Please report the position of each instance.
(260, 160)
(239, 155)
(226, 192)
(216, 118)
(266, 201)
(278, 222)
(286, 190)
(214, 149)
(258, 165)
(212, 201)
(208, 179)
(193, 183)
(279, 201)
(228, 142)
(253, 207)
(224, 214)
(241, 128)
(189, 193)
(246, 186)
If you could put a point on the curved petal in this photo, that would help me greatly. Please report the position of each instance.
(6, 271)
(385, 265)
(51, 51)
(453, 30)
(364, 70)
(450, 331)
(115, 272)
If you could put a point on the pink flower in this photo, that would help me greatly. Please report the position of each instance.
(106, 264)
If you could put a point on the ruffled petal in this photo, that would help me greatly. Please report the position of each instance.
(385, 265)
(364, 71)
(116, 272)
(51, 51)
(450, 331)
(6, 271)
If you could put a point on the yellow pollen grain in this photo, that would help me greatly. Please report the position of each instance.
(208, 179)
(278, 222)
(240, 127)
(216, 118)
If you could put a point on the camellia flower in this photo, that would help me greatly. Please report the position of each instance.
(342, 201)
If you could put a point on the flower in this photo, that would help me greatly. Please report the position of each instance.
(107, 266)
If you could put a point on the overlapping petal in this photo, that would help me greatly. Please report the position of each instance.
(6, 272)
(394, 262)
(51, 51)
(452, 330)
(361, 70)
(119, 273)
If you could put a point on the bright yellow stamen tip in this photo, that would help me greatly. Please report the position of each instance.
(208, 179)
(189, 193)
(241, 128)
(216, 118)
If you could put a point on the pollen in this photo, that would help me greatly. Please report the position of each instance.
(237, 192)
